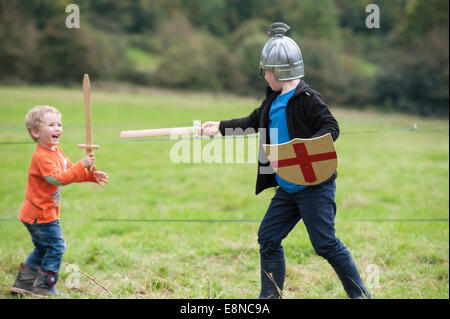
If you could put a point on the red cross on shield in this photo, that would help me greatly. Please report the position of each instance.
(303, 161)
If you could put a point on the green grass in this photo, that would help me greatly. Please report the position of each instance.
(390, 174)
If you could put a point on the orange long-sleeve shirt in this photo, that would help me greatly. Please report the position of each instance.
(49, 171)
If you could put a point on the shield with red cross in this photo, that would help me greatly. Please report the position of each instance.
(303, 161)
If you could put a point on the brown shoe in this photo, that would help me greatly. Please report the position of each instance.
(24, 281)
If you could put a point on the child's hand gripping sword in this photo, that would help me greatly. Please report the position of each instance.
(88, 146)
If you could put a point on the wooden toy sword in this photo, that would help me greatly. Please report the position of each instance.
(87, 108)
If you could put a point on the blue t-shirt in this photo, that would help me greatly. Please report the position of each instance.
(277, 119)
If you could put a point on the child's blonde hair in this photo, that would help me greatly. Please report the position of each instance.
(35, 117)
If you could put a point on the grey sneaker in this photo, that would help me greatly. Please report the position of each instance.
(24, 281)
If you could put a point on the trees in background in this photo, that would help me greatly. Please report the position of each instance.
(414, 75)
(215, 45)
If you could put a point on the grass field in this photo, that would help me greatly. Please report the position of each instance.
(392, 198)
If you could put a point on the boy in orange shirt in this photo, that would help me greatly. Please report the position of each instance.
(49, 170)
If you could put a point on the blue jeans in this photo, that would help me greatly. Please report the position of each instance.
(316, 206)
(49, 246)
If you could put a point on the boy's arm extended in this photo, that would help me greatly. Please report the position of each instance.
(93, 175)
(244, 123)
(53, 174)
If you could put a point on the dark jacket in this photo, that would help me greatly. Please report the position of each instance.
(307, 116)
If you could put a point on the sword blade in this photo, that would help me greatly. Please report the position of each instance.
(87, 109)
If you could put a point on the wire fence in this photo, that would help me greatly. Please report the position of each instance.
(137, 220)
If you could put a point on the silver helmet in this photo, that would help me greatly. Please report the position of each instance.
(281, 54)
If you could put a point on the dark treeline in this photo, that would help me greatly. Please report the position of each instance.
(216, 45)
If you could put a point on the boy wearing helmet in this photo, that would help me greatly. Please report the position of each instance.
(291, 109)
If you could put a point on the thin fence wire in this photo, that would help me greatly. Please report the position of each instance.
(132, 220)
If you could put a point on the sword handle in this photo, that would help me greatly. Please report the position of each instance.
(90, 168)
(89, 149)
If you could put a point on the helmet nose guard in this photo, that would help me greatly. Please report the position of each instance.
(281, 54)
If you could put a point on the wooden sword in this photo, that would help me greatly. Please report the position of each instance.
(87, 109)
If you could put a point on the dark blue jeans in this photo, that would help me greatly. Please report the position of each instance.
(316, 206)
(49, 246)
